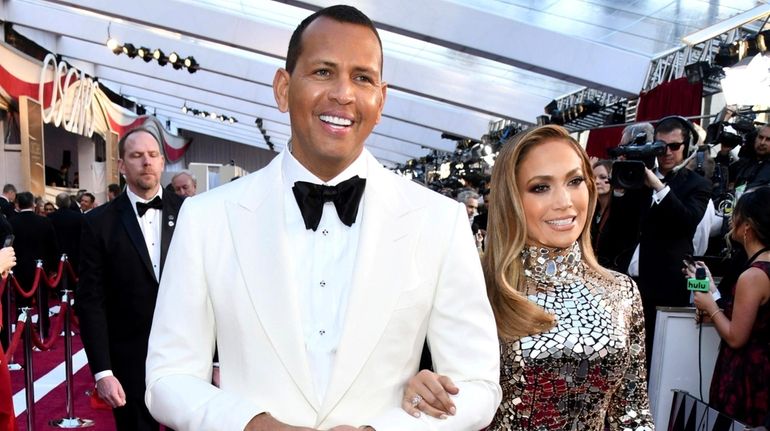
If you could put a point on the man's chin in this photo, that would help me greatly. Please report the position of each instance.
(147, 186)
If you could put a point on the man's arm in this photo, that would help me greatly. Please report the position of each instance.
(90, 301)
(682, 211)
(462, 337)
(179, 358)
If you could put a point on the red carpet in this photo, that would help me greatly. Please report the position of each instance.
(53, 405)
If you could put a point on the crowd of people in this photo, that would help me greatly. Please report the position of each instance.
(303, 296)
(43, 230)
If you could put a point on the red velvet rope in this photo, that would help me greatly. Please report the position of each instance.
(55, 282)
(50, 282)
(21, 291)
(14, 341)
(56, 328)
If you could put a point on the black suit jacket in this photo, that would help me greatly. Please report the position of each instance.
(68, 225)
(5, 229)
(615, 244)
(666, 235)
(35, 239)
(8, 208)
(116, 293)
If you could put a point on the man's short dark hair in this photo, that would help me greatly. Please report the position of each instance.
(340, 13)
(9, 188)
(25, 200)
(670, 124)
(89, 196)
(122, 141)
(114, 189)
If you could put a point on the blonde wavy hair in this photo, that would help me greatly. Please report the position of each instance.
(517, 316)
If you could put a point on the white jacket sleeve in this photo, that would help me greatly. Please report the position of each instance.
(181, 346)
(462, 337)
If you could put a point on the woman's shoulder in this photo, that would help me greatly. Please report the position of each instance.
(617, 283)
(758, 274)
(763, 266)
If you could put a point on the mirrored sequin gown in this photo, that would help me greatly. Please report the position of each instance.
(590, 366)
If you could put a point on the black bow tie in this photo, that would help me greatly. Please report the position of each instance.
(345, 195)
(142, 207)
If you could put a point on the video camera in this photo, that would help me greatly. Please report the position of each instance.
(639, 154)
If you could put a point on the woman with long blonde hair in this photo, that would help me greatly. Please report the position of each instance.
(571, 332)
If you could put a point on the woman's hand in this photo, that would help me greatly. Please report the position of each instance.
(7, 260)
(705, 303)
(689, 271)
(427, 392)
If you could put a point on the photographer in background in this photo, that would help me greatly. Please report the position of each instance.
(615, 244)
(755, 168)
(726, 168)
(669, 206)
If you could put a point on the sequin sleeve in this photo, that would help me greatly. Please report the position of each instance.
(629, 407)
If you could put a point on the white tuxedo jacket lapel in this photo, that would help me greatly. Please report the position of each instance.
(375, 289)
(257, 224)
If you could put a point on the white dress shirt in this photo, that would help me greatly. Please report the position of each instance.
(150, 226)
(326, 257)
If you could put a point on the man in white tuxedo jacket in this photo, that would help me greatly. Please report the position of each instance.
(320, 276)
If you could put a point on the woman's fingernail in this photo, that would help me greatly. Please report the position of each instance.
(416, 414)
(443, 416)
(452, 411)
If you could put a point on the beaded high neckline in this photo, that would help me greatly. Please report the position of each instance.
(552, 265)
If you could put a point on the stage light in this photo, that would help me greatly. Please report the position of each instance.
(727, 55)
(114, 46)
(695, 72)
(148, 54)
(191, 65)
(763, 40)
(160, 57)
(144, 53)
(130, 50)
(208, 115)
(175, 61)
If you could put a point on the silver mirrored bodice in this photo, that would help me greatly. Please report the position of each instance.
(590, 366)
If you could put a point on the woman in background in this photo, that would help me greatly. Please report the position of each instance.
(740, 386)
(602, 171)
(571, 332)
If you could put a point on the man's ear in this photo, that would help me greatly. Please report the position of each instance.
(384, 90)
(281, 89)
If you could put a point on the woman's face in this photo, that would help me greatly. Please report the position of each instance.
(553, 193)
(602, 179)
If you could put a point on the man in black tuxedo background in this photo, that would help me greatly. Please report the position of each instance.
(123, 247)
(35, 239)
(67, 224)
(664, 215)
(7, 200)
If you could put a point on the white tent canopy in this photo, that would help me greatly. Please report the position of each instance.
(452, 66)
